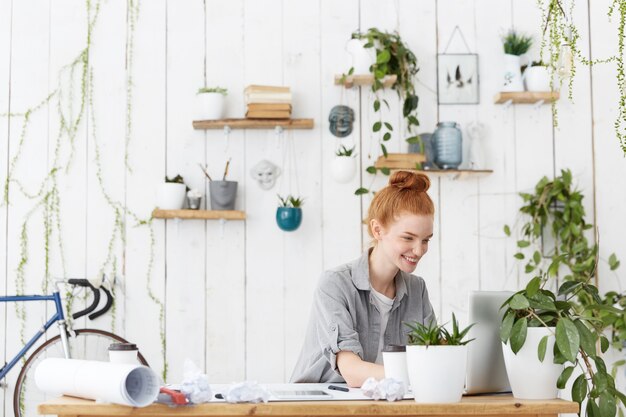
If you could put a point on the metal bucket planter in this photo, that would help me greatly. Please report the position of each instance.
(288, 218)
(223, 194)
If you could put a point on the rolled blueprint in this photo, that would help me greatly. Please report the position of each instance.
(134, 385)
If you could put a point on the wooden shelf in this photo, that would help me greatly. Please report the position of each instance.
(254, 123)
(364, 79)
(199, 214)
(409, 165)
(526, 97)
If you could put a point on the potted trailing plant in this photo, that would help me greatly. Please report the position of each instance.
(436, 361)
(573, 317)
(211, 102)
(537, 77)
(289, 213)
(171, 194)
(393, 57)
(515, 45)
(343, 166)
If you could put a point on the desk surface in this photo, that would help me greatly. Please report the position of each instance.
(476, 405)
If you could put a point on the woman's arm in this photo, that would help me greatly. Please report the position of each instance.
(355, 370)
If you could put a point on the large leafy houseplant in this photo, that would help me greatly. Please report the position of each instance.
(393, 57)
(576, 311)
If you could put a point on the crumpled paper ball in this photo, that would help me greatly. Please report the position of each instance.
(247, 392)
(195, 384)
(389, 389)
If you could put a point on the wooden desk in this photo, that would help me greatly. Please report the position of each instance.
(478, 405)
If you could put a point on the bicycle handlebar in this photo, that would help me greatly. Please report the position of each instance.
(81, 282)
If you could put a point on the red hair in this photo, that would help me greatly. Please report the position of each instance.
(406, 192)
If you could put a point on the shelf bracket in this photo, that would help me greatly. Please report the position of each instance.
(538, 104)
(227, 130)
(222, 227)
(278, 130)
(507, 104)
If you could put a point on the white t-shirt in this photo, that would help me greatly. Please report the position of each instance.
(384, 305)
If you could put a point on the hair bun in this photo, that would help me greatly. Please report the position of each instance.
(409, 180)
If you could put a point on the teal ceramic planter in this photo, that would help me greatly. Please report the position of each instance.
(288, 218)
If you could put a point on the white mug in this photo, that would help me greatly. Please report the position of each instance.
(394, 360)
(123, 353)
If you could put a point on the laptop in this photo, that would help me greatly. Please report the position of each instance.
(486, 372)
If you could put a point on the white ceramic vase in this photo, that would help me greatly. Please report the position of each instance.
(171, 196)
(437, 373)
(343, 169)
(362, 58)
(210, 106)
(537, 78)
(512, 78)
(531, 379)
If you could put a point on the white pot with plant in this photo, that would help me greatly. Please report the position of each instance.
(171, 194)
(515, 45)
(211, 103)
(436, 361)
(537, 77)
(343, 166)
(362, 58)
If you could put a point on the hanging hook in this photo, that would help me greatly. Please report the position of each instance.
(222, 227)
(278, 130)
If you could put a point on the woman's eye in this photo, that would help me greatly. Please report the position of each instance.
(407, 238)
(425, 240)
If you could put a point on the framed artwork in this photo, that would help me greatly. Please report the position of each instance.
(457, 79)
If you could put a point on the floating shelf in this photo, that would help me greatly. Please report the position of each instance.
(254, 124)
(526, 97)
(400, 160)
(409, 165)
(364, 79)
(199, 214)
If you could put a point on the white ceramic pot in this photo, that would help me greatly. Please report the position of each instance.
(437, 373)
(171, 196)
(210, 106)
(531, 379)
(362, 58)
(343, 169)
(537, 78)
(512, 78)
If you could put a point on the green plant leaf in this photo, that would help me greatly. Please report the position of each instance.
(579, 389)
(569, 286)
(604, 345)
(537, 257)
(376, 105)
(386, 136)
(507, 230)
(607, 405)
(384, 149)
(592, 409)
(523, 243)
(361, 191)
(519, 255)
(383, 56)
(519, 302)
(371, 169)
(376, 127)
(587, 339)
(567, 338)
(518, 335)
(541, 349)
(613, 262)
(506, 325)
(385, 170)
(533, 286)
(388, 126)
(564, 377)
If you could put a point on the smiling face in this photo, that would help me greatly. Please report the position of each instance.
(403, 242)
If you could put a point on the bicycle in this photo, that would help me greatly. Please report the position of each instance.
(91, 344)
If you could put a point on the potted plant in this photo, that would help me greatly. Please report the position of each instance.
(515, 45)
(222, 193)
(436, 361)
(537, 77)
(574, 318)
(211, 102)
(343, 166)
(289, 213)
(171, 194)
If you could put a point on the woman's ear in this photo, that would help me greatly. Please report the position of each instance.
(377, 229)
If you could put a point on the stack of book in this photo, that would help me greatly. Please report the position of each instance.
(267, 102)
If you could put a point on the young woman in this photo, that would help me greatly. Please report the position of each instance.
(360, 307)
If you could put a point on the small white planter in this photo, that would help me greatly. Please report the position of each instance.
(210, 106)
(171, 196)
(437, 373)
(362, 58)
(512, 77)
(343, 169)
(537, 78)
(531, 379)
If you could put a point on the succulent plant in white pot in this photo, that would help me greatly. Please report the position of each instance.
(211, 103)
(343, 166)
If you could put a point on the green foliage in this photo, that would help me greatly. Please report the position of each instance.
(290, 201)
(177, 179)
(222, 91)
(515, 43)
(343, 151)
(437, 335)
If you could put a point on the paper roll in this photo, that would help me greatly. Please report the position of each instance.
(134, 385)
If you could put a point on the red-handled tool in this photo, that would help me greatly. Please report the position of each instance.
(178, 397)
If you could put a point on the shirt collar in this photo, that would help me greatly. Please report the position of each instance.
(361, 273)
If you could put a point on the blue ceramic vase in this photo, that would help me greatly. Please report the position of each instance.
(448, 145)
(288, 218)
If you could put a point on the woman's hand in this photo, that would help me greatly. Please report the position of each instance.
(355, 370)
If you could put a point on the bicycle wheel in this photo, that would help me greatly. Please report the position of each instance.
(90, 344)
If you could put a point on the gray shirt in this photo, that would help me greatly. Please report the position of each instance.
(344, 317)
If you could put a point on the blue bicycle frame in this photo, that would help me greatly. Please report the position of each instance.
(58, 317)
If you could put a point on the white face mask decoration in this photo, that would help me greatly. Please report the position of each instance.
(265, 173)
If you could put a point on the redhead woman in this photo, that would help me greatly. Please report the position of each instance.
(361, 306)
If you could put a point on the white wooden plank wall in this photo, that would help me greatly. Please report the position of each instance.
(237, 294)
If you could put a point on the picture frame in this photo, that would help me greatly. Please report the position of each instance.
(457, 79)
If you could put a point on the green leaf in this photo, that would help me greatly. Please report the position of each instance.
(523, 243)
(507, 230)
(533, 286)
(385, 170)
(506, 325)
(377, 126)
(568, 286)
(579, 389)
(537, 257)
(592, 409)
(607, 405)
(384, 149)
(386, 136)
(564, 377)
(413, 139)
(388, 126)
(567, 339)
(383, 56)
(613, 262)
(519, 255)
(519, 302)
(376, 105)
(604, 345)
(600, 381)
(518, 335)
(371, 169)
(541, 350)
(587, 339)
(361, 191)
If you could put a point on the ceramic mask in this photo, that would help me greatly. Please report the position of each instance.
(265, 173)
(341, 119)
